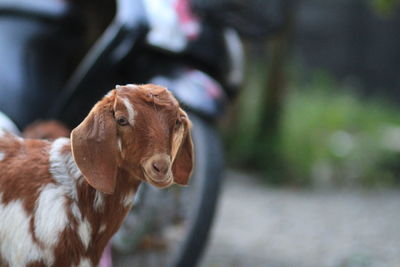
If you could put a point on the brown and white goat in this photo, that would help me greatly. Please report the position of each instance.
(61, 201)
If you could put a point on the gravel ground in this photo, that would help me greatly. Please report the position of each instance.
(259, 226)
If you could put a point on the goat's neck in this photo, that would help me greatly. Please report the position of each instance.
(105, 213)
(102, 213)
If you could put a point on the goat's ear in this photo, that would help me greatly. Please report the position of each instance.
(183, 163)
(94, 148)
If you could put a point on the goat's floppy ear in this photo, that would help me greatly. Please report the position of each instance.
(183, 163)
(94, 148)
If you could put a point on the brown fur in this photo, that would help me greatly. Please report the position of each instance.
(36, 264)
(160, 127)
(17, 166)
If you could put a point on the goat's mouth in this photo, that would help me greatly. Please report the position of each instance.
(156, 181)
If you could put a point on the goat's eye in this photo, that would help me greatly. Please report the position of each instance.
(122, 121)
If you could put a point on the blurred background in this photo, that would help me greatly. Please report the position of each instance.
(312, 136)
(313, 139)
(320, 101)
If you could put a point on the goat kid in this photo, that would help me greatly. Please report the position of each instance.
(61, 201)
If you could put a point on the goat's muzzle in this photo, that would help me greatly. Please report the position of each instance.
(157, 170)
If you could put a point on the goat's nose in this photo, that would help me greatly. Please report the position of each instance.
(160, 166)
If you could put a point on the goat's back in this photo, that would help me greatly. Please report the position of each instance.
(35, 208)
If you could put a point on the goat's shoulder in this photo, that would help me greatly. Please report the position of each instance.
(24, 168)
(17, 153)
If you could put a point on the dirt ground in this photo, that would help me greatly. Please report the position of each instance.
(259, 226)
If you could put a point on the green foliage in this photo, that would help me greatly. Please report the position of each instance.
(385, 7)
(330, 136)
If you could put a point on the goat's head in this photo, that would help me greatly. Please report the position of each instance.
(140, 129)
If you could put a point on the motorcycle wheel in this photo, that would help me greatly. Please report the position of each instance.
(171, 227)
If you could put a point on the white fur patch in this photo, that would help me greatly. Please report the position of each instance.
(50, 214)
(85, 231)
(85, 262)
(2, 133)
(130, 110)
(102, 228)
(16, 245)
(2, 156)
(132, 86)
(128, 199)
(98, 202)
(76, 211)
(119, 144)
(63, 167)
